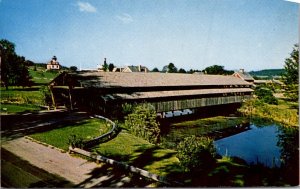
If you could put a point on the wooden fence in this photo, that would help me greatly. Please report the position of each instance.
(127, 167)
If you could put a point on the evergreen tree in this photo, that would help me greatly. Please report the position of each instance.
(291, 74)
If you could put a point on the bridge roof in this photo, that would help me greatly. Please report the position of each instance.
(96, 79)
(162, 94)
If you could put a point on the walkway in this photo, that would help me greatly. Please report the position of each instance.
(80, 172)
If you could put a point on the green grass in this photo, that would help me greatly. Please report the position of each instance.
(41, 75)
(21, 95)
(138, 152)
(29, 97)
(18, 108)
(207, 125)
(16, 176)
(284, 113)
(18, 173)
(86, 129)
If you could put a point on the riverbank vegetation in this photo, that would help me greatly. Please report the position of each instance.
(284, 113)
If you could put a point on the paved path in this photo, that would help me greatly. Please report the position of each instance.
(80, 172)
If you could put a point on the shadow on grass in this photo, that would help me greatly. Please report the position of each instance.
(15, 126)
(111, 176)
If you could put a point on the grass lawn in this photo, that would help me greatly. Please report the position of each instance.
(21, 95)
(86, 129)
(41, 75)
(18, 108)
(140, 153)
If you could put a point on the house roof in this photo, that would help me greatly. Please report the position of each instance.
(134, 68)
(245, 75)
(139, 79)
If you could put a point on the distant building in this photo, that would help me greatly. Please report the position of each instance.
(244, 76)
(131, 69)
(53, 64)
(118, 69)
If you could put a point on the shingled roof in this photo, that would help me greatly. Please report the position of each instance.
(138, 79)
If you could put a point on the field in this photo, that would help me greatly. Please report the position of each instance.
(22, 99)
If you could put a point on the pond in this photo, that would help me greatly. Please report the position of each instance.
(269, 144)
(256, 145)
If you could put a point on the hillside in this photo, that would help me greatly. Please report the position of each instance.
(267, 72)
(41, 76)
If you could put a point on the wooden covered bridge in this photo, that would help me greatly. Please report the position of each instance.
(107, 91)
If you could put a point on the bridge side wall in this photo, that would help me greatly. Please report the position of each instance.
(171, 105)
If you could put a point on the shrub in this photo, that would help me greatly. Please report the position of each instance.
(75, 142)
(142, 123)
(266, 95)
(196, 153)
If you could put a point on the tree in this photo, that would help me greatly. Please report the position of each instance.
(14, 68)
(265, 94)
(111, 66)
(105, 66)
(142, 123)
(181, 70)
(291, 74)
(196, 153)
(73, 68)
(217, 70)
(170, 68)
(155, 70)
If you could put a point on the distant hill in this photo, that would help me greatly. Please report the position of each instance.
(267, 72)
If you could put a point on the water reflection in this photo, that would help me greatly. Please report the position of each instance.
(257, 145)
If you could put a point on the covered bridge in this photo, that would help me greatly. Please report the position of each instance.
(107, 91)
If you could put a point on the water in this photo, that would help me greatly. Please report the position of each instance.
(266, 143)
(259, 144)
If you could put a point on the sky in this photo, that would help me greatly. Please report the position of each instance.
(192, 34)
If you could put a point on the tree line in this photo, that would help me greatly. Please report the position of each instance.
(14, 68)
(215, 69)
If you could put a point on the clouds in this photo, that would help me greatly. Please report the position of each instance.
(86, 7)
(125, 18)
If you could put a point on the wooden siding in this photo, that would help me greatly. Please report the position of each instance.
(165, 106)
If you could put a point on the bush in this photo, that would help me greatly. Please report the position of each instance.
(266, 95)
(142, 123)
(75, 142)
(196, 153)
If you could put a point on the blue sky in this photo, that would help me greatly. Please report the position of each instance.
(249, 34)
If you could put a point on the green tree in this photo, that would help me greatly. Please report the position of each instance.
(170, 68)
(142, 123)
(266, 95)
(291, 74)
(111, 66)
(73, 68)
(181, 70)
(45, 95)
(217, 70)
(196, 153)
(14, 68)
(155, 70)
(105, 66)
